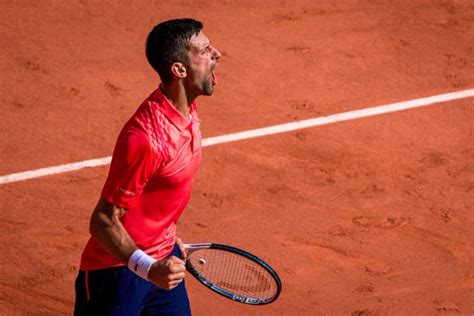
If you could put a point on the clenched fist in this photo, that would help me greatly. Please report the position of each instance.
(167, 273)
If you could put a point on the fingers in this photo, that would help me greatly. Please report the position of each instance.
(176, 263)
(167, 274)
(175, 279)
(175, 259)
(176, 276)
(173, 284)
(180, 244)
(177, 270)
(176, 267)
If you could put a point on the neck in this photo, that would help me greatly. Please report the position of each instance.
(176, 94)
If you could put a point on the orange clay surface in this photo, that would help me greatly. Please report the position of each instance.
(367, 217)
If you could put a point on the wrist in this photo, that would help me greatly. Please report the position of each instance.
(140, 263)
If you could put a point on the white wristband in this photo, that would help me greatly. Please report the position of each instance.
(140, 263)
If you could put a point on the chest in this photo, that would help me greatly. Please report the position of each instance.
(181, 162)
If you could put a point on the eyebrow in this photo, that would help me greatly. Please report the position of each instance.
(206, 46)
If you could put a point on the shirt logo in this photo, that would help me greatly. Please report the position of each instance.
(127, 192)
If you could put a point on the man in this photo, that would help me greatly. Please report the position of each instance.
(133, 262)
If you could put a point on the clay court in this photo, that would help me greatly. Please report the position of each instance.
(368, 216)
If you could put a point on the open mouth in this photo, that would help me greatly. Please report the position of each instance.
(213, 74)
(214, 77)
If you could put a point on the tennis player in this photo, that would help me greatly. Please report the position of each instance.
(133, 264)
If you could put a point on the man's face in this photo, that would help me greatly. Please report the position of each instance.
(203, 60)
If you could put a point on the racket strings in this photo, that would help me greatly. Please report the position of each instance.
(234, 273)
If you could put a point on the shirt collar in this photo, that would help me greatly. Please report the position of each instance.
(172, 113)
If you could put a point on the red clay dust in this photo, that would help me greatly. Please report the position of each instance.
(372, 216)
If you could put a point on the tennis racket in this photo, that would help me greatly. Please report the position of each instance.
(233, 273)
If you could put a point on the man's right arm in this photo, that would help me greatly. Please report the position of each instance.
(107, 229)
(105, 226)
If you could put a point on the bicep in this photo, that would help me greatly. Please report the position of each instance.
(105, 214)
(108, 231)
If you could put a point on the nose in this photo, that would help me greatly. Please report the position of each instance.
(216, 54)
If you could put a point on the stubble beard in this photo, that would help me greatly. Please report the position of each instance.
(207, 88)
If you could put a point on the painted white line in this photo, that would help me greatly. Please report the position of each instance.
(275, 129)
(20, 176)
(346, 116)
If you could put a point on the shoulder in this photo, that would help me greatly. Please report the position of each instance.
(155, 125)
(136, 141)
(132, 144)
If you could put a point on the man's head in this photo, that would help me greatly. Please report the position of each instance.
(178, 49)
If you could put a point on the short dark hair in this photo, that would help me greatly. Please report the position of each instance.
(168, 42)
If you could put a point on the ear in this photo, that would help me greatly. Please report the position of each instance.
(179, 70)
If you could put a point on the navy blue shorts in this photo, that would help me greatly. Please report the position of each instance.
(119, 291)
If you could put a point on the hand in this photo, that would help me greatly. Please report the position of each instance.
(180, 244)
(167, 273)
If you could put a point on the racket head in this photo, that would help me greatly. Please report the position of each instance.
(233, 273)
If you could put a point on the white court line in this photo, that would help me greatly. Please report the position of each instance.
(281, 128)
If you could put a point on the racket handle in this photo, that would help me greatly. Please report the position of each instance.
(191, 247)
